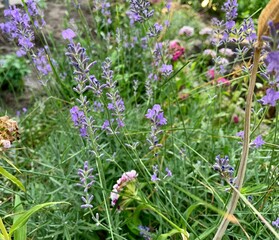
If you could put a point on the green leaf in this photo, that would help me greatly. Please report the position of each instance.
(12, 178)
(169, 234)
(20, 233)
(21, 221)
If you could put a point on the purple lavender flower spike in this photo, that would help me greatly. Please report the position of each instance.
(224, 168)
(78, 117)
(86, 181)
(140, 9)
(41, 62)
(116, 104)
(156, 116)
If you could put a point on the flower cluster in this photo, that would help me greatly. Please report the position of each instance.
(121, 183)
(82, 65)
(19, 26)
(116, 104)
(155, 30)
(271, 61)
(224, 168)
(186, 31)
(276, 223)
(86, 181)
(140, 10)
(176, 50)
(156, 116)
(8, 132)
(41, 62)
(145, 232)
(78, 117)
(154, 176)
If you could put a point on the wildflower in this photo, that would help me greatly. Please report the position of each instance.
(155, 30)
(144, 232)
(154, 177)
(8, 132)
(78, 117)
(272, 61)
(211, 73)
(116, 104)
(166, 70)
(176, 50)
(270, 98)
(169, 173)
(140, 9)
(68, 34)
(240, 134)
(121, 183)
(79, 60)
(41, 62)
(86, 181)
(206, 31)
(224, 168)
(187, 31)
(223, 81)
(258, 142)
(230, 8)
(226, 52)
(209, 52)
(235, 119)
(156, 116)
(276, 223)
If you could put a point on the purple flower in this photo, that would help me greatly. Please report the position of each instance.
(155, 30)
(156, 116)
(272, 61)
(230, 8)
(144, 232)
(270, 98)
(140, 8)
(258, 142)
(224, 168)
(78, 117)
(169, 173)
(276, 223)
(116, 104)
(240, 134)
(154, 177)
(166, 70)
(68, 34)
(86, 181)
(41, 62)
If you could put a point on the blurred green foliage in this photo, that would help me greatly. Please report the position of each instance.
(12, 72)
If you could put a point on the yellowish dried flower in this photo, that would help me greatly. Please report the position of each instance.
(8, 132)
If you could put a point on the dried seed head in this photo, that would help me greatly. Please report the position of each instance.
(269, 13)
(8, 132)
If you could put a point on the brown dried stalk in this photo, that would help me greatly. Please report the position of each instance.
(270, 12)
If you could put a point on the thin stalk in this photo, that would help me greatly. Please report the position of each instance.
(244, 157)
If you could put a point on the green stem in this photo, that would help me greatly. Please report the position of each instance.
(182, 231)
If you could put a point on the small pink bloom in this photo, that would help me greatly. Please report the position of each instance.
(211, 73)
(223, 81)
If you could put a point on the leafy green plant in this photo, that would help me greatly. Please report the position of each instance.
(12, 72)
